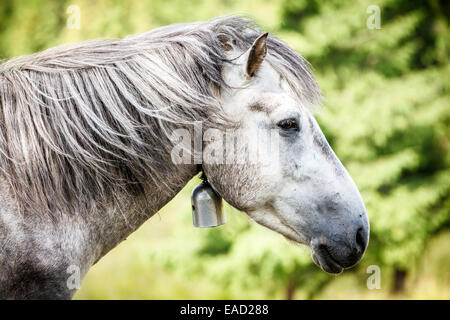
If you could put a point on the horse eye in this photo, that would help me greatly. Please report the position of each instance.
(288, 125)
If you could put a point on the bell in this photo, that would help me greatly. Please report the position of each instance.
(207, 207)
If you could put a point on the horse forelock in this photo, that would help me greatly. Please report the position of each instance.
(81, 123)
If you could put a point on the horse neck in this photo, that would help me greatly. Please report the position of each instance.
(74, 240)
(135, 210)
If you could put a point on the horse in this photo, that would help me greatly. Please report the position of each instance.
(86, 148)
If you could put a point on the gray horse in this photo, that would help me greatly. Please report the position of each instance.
(86, 148)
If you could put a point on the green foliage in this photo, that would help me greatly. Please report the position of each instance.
(27, 26)
(387, 117)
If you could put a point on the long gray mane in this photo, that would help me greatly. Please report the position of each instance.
(81, 123)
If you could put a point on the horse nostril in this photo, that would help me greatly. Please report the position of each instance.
(360, 240)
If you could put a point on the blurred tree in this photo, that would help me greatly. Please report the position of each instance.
(29, 26)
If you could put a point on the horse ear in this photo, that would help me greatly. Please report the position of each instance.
(256, 55)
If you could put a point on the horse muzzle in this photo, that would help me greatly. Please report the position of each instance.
(333, 254)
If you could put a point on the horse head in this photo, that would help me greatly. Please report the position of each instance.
(299, 189)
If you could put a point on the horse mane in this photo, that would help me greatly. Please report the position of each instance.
(80, 123)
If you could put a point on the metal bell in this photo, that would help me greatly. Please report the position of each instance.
(207, 207)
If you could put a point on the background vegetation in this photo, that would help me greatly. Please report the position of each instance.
(387, 116)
